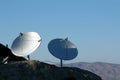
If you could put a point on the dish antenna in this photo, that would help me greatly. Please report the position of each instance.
(26, 43)
(62, 49)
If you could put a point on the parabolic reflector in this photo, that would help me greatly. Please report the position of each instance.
(26, 43)
(62, 49)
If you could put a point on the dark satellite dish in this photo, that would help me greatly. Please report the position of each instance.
(26, 43)
(62, 49)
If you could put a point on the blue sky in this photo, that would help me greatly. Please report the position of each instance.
(92, 25)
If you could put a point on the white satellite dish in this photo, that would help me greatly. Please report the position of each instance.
(26, 43)
(62, 49)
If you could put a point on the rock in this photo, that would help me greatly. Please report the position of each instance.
(36, 70)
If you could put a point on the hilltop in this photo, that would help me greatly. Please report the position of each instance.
(36, 70)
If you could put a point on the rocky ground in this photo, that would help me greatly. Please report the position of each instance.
(36, 70)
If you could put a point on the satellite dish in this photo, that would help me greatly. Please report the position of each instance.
(62, 49)
(26, 43)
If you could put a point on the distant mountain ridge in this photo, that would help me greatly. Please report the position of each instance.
(107, 71)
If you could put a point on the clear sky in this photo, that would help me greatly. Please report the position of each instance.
(92, 25)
